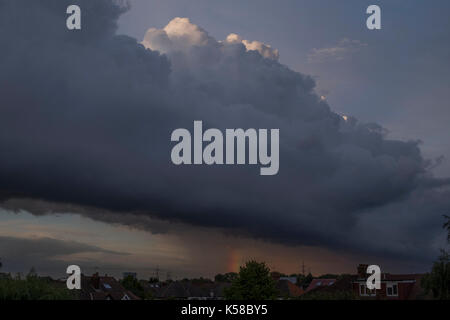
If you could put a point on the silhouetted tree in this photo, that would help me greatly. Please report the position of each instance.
(252, 283)
(438, 281)
(133, 284)
(447, 226)
(304, 281)
(32, 288)
(153, 280)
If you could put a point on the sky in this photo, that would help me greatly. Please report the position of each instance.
(87, 116)
(412, 47)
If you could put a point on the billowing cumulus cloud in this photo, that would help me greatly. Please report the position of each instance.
(181, 34)
(265, 50)
(86, 119)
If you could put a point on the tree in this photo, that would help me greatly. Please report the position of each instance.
(32, 273)
(153, 280)
(438, 281)
(252, 283)
(33, 288)
(131, 283)
(447, 226)
(304, 281)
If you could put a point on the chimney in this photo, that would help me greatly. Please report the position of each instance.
(95, 281)
(362, 271)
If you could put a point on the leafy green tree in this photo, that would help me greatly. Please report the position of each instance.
(33, 288)
(438, 281)
(131, 283)
(252, 283)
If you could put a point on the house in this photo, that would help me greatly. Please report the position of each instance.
(340, 289)
(393, 286)
(152, 289)
(290, 279)
(320, 283)
(104, 288)
(287, 289)
(188, 290)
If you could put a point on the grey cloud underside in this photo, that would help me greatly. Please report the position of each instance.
(45, 254)
(86, 119)
(45, 247)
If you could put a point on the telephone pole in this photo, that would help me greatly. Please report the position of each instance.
(157, 273)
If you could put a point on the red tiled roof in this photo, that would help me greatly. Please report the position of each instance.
(317, 283)
(294, 290)
(399, 277)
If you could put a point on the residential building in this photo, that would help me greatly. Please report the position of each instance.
(287, 289)
(320, 283)
(104, 288)
(393, 286)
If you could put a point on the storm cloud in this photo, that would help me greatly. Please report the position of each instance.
(45, 254)
(86, 118)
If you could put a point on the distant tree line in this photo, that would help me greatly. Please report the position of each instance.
(32, 287)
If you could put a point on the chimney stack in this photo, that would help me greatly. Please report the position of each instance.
(95, 280)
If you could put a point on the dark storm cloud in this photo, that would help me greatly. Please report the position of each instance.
(45, 254)
(86, 118)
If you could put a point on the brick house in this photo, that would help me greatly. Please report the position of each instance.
(393, 286)
(104, 288)
(287, 289)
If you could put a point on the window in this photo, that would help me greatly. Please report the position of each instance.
(392, 289)
(371, 292)
(364, 291)
(107, 286)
